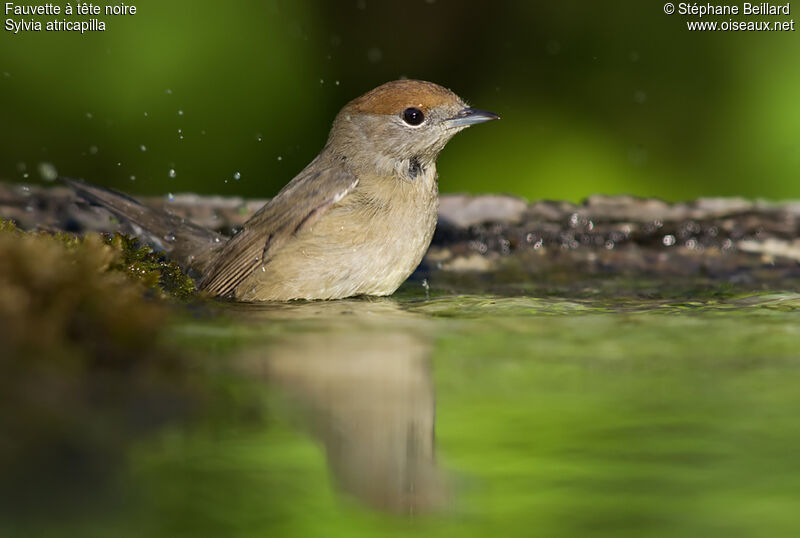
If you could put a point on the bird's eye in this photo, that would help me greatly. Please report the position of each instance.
(413, 116)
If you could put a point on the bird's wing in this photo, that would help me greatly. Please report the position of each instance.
(307, 197)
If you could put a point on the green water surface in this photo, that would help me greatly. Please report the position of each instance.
(657, 412)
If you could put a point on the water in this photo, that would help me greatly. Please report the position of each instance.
(647, 411)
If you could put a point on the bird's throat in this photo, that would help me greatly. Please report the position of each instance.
(415, 168)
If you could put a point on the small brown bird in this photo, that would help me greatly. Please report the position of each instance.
(356, 221)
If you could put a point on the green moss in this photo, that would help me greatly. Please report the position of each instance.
(9, 226)
(139, 262)
(143, 264)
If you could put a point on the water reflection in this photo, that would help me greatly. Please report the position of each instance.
(366, 394)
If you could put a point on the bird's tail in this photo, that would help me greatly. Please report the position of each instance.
(190, 245)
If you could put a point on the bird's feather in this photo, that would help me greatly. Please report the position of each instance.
(304, 200)
(192, 246)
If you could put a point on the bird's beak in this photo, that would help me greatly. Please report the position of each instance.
(470, 116)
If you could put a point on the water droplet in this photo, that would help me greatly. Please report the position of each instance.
(93, 150)
(172, 172)
(168, 91)
(89, 115)
(237, 176)
(143, 147)
(170, 197)
(180, 112)
(337, 82)
(119, 164)
(48, 171)
(133, 178)
(25, 175)
(259, 138)
(280, 158)
(322, 81)
(145, 114)
(180, 131)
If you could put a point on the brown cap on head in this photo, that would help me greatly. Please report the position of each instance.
(394, 97)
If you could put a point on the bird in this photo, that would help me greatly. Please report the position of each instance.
(357, 220)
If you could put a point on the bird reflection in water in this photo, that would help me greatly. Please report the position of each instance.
(366, 393)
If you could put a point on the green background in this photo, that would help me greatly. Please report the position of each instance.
(596, 97)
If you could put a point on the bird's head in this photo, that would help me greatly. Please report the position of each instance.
(401, 126)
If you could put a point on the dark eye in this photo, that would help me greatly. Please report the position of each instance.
(413, 116)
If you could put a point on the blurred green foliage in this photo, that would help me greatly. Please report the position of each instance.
(595, 97)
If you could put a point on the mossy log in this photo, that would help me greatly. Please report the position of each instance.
(729, 239)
